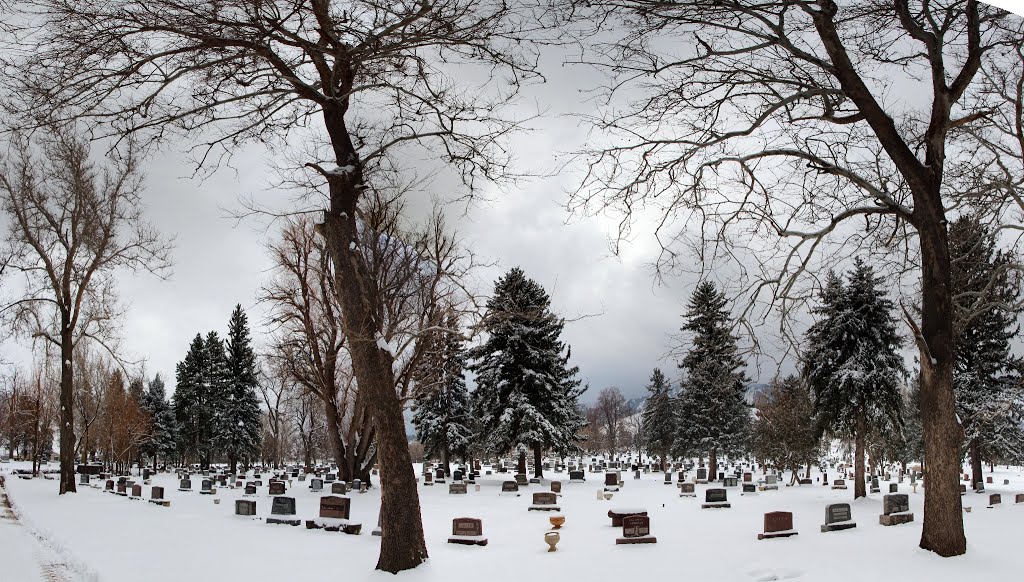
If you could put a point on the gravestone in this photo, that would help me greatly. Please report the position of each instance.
(282, 511)
(749, 489)
(874, 486)
(687, 489)
(668, 478)
(136, 491)
(334, 516)
(636, 529)
(206, 487)
(316, 484)
(339, 488)
(277, 487)
(510, 487)
(457, 489)
(439, 476)
(250, 489)
(428, 479)
(185, 485)
(556, 486)
(521, 479)
(357, 485)
(467, 531)
(544, 501)
(777, 524)
(771, 483)
(611, 481)
(458, 475)
(619, 514)
(748, 477)
(839, 484)
(994, 500)
(83, 479)
(896, 507)
(577, 477)
(963, 489)
(1019, 498)
(729, 482)
(894, 487)
(838, 516)
(715, 499)
(702, 475)
(246, 507)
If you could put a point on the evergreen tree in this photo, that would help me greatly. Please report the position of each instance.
(852, 362)
(711, 414)
(526, 396)
(238, 416)
(783, 432)
(986, 375)
(443, 412)
(659, 421)
(162, 440)
(201, 377)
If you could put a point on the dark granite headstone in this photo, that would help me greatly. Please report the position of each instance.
(777, 524)
(245, 507)
(838, 516)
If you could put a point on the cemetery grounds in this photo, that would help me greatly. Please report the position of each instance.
(96, 537)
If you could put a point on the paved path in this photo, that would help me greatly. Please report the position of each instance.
(23, 557)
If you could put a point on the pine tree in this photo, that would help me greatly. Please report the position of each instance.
(659, 424)
(443, 412)
(783, 432)
(852, 362)
(526, 395)
(711, 414)
(986, 375)
(238, 416)
(201, 378)
(162, 441)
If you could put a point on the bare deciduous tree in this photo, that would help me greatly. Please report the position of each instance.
(611, 414)
(776, 132)
(73, 224)
(370, 75)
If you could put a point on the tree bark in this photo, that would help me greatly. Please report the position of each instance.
(538, 463)
(712, 465)
(67, 409)
(976, 466)
(403, 546)
(521, 467)
(334, 439)
(859, 490)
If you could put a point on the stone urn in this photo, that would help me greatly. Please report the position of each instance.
(557, 521)
(216, 501)
(551, 538)
(607, 495)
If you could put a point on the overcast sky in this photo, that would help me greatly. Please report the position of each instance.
(622, 321)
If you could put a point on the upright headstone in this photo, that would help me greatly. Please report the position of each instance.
(896, 508)
(715, 499)
(467, 531)
(838, 517)
(544, 501)
(636, 529)
(777, 524)
(246, 507)
(282, 511)
(687, 489)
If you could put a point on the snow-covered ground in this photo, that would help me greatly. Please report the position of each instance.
(113, 539)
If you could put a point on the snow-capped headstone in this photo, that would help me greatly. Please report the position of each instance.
(316, 484)
(687, 489)
(636, 529)
(896, 508)
(277, 487)
(839, 484)
(777, 524)
(544, 501)
(838, 516)
(282, 511)
(339, 488)
(467, 531)
(994, 500)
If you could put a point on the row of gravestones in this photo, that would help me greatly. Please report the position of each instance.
(333, 515)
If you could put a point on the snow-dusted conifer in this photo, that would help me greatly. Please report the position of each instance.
(162, 441)
(986, 375)
(712, 416)
(238, 414)
(852, 364)
(659, 420)
(443, 413)
(526, 395)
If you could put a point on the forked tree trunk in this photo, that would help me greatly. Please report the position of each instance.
(334, 440)
(67, 408)
(403, 546)
(859, 490)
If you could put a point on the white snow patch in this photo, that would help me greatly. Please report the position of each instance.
(385, 345)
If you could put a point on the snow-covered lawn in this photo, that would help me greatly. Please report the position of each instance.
(114, 539)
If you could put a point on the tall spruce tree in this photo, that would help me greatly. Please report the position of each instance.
(986, 375)
(526, 395)
(238, 417)
(712, 416)
(852, 362)
(443, 414)
(659, 421)
(201, 378)
(162, 441)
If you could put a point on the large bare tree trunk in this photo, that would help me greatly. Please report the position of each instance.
(67, 409)
(403, 546)
(334, 439)
(713, 465)
(538, 460)
(943, 531)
